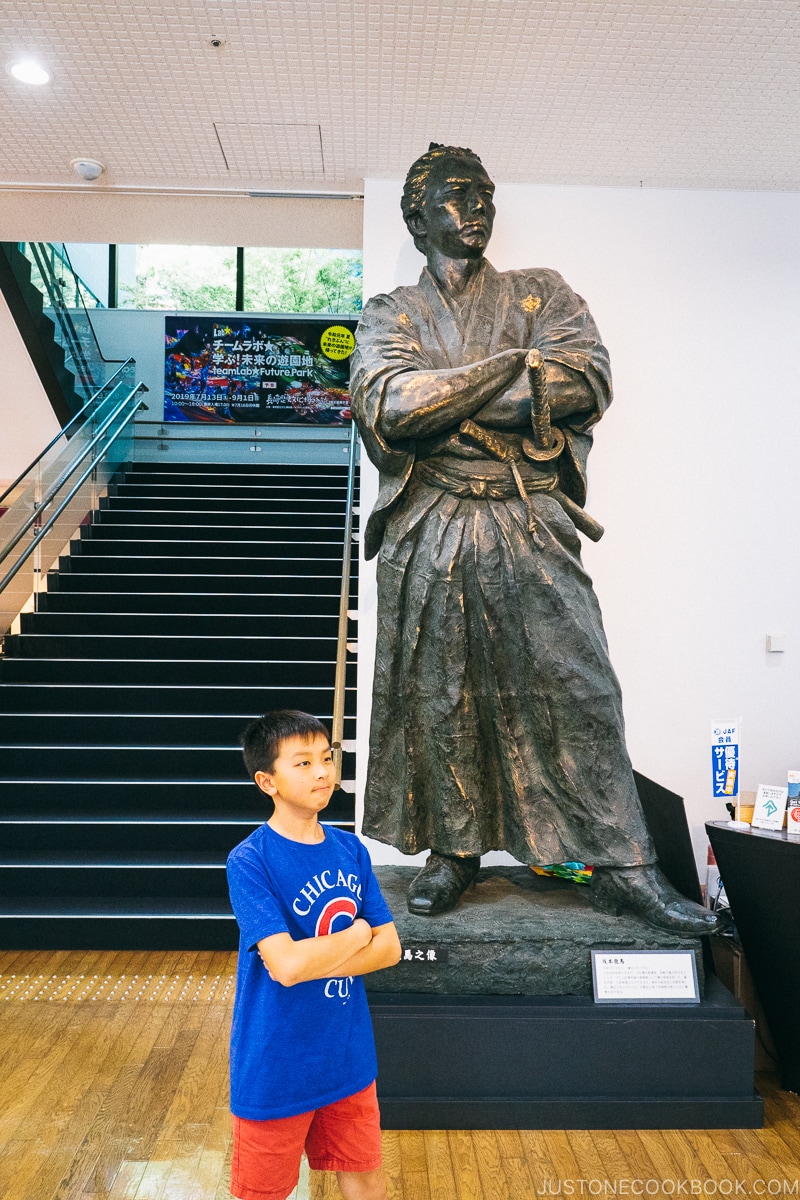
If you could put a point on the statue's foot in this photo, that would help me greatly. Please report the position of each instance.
(440, 884)
(647, 892)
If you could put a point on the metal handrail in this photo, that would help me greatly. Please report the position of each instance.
(60, 307)
(60, 251)
(82, 287)
(337, 724)
(55, 487)
(63, 432)
(48, 525)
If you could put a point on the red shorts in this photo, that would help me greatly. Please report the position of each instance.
(343, 1136)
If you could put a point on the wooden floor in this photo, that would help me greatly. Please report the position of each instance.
(113, 1086)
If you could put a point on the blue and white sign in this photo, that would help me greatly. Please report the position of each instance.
(725, 758)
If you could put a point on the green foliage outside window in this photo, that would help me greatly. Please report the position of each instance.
(203, 278)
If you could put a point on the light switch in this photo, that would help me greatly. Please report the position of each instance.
(776, 643)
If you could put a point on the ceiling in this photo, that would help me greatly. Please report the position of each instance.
(316, 95)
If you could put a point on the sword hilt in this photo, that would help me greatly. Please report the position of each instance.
(547, 443)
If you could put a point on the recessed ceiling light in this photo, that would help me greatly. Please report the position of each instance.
(28, 71)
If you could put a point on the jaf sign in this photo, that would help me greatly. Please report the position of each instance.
(725, 758)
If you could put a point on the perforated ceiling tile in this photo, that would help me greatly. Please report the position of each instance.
(699, 93)
(267, 150)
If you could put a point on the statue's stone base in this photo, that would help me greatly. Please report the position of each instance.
(513, 933)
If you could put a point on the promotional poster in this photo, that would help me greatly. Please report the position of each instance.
(258, 370)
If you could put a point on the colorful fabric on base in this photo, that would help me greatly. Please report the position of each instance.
(574, 871)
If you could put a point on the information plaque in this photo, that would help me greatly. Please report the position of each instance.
(645, 977)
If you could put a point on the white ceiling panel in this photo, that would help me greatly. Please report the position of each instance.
(270, 150)
(703, 93)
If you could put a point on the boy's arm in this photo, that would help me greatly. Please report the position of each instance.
(383, 951)
(290, 962)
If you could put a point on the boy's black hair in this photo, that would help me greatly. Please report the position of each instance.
(261, 740)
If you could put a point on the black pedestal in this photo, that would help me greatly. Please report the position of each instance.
(523, 1062)
(761, 873)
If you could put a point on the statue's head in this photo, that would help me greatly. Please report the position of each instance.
(447, 202)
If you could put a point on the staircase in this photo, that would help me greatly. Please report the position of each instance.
(62, 346)
(199, 596)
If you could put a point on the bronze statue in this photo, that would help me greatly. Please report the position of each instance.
(497, 717)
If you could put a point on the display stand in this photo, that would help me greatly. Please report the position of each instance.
(525, 1062)
(761, 872)
(474, 1031)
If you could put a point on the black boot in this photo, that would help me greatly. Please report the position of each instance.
(440, 884)
(647, 892)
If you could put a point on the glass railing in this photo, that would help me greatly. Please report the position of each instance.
(68, 302)
(42, 509)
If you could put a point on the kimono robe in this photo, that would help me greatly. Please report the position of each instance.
(497, 717)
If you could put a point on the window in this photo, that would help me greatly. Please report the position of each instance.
(184, 278)
(302, 281)
(270, 279)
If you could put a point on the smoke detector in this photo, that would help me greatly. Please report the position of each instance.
(87, 168)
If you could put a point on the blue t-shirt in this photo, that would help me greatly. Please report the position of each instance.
(294, 1049)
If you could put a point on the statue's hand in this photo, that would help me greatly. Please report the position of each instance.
(512, 406)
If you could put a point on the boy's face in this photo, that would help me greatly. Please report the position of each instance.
(302, 777)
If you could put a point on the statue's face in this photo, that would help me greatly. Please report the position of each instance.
(457, 213)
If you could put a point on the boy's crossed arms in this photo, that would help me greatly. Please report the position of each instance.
(357, 950)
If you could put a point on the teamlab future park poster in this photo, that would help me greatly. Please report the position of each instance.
(258, 370)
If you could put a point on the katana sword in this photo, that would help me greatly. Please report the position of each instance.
(497, 448)
(546, 443)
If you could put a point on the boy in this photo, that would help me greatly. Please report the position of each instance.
(302, 1052)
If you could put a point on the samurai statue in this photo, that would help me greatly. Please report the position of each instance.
(497, 717)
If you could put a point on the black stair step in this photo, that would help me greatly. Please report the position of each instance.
(120, 762)
(40, 838)
(166, 800)
(233, 477)
(274, 583)
(117, 923)
(118, 526)
(294, 470)
(243, 493)
(187, 729)
(65, 909)
(252, 508)
(144, 876)
(169, 671)
(172, 646)
(230, 566)
(221, 519)
(169, 698)
(206, 547)
(192, 604)
(106, 762)
(194, 624)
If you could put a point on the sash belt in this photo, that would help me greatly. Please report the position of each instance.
(500, 487)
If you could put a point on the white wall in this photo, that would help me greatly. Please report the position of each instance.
(27, 421)
(694, 468)
(128, 332)
(100, 214)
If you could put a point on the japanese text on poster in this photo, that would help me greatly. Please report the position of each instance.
(770, 807)
(725, 758)
(256, 370)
